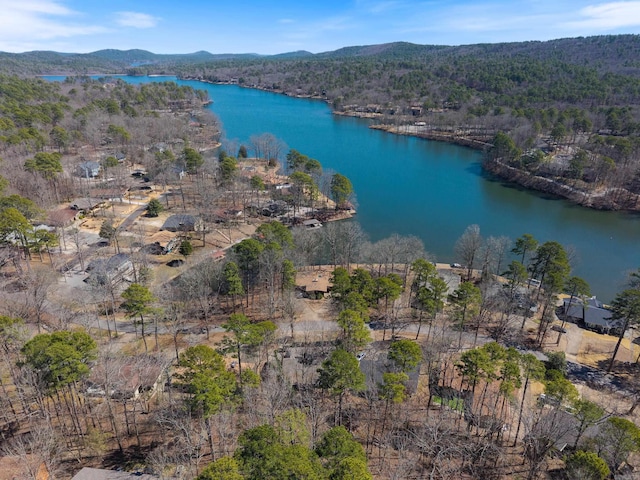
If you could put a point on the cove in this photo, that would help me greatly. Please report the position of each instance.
(429, 189)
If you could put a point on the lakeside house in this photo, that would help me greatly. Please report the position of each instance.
(313, 283)
(590, 314)
(312, 223)
(451, 278)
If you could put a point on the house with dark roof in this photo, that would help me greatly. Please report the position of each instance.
(279, 207)
(374, 363)
(89, 169)
(85, 205)
(591, 314)
(183, 223)
(312, 223)
(115, 270)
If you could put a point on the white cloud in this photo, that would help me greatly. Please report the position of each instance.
(608, 16)
(36, 24)
(34, 7)
(136, 20)
(286, 20)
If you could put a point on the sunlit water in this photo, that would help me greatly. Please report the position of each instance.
(429, 189)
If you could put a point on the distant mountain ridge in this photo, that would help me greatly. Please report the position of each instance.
(619, 53)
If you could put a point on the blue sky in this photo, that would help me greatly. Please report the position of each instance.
(278, 26)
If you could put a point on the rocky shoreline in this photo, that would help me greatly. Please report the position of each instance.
(617, 199)
(614, 199)
(440, 136)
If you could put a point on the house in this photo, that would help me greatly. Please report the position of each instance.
(137, 377)
(62, 217)
(178, 171)
(313, 283)
(114, 193)
(374, 363)
(591, 314)
(183, 223)
(279, 207)
(312, 223)
(451, 278)
(85, 205)
(115, 270)
(88, 169)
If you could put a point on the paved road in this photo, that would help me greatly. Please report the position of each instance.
(133, 216)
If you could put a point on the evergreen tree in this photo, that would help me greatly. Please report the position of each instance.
(154, 208)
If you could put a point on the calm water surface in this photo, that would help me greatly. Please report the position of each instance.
(429, 189)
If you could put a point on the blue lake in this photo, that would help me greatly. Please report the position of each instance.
(429, 189)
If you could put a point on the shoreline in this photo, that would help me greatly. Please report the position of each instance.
(619, 200)
(610, 199)
(438, 136)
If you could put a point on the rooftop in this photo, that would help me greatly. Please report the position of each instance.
(313, 280)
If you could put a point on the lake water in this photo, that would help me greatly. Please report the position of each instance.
(433, 190)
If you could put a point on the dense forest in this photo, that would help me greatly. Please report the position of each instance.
(178, 306)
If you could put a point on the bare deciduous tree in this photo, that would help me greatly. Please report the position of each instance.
(468, 248)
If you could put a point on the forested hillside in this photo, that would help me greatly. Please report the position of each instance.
(570, 107)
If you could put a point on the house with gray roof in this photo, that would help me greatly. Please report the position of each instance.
(85, 205)
(591, 314)
(183, 222)
(88, 169)
(114, 270)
